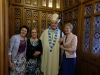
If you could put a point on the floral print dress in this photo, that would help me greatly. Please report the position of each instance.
(20, 60)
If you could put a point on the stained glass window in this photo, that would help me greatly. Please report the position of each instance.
(28, 13)
(49, 23)
(35, 24)
(96, 38)
(35, 14)
(87, 23)
(43, 25)
(70, 15)
(50, 3)
(57, 3)
(35, 2)
(17, 25)
(76, 14)
(43, 2)
(49, 16)
(28, 1)
(88, 9)
(75, 24)
(28, 23)
(97, 7)
(17, 12)
(43, 15)
(66, 16)
(66, 3)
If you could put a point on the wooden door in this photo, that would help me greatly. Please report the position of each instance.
(88, 32)
(90, 38)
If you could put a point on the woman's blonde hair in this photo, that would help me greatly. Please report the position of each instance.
(69, 25)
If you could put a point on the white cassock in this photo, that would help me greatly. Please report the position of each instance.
(50, 59)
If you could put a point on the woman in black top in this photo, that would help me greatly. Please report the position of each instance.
(33, 53)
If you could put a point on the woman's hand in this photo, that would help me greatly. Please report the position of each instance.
(36, 53)
(61, 46)
(61, 40)
(12, 66)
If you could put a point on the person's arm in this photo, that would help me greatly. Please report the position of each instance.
(29, 52)
(40, 49)
(9, 59)
(73, 47)
(61, 39)
(11, 45)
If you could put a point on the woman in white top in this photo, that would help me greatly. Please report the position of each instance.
(69, 50)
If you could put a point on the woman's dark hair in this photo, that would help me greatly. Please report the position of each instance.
(24, 26)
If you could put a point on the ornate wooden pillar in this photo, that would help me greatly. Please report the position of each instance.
(1, 38)
(4, 37)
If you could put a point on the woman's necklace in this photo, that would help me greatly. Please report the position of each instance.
(34, 42)
(34, 39)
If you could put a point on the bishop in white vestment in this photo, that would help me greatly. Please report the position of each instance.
(50, 42)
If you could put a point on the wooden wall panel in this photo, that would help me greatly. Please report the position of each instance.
(83, 67)
(1, 38)
(28, 12)
(4, 37)
(19, 2)
(93, 70)
(39, 19)
(71, 16)
(16, 19)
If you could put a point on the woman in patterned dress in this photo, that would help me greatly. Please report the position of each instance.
(17, 52)
(33, 53)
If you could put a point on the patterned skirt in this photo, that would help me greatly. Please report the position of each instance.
(19, 64)
(33, 67)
